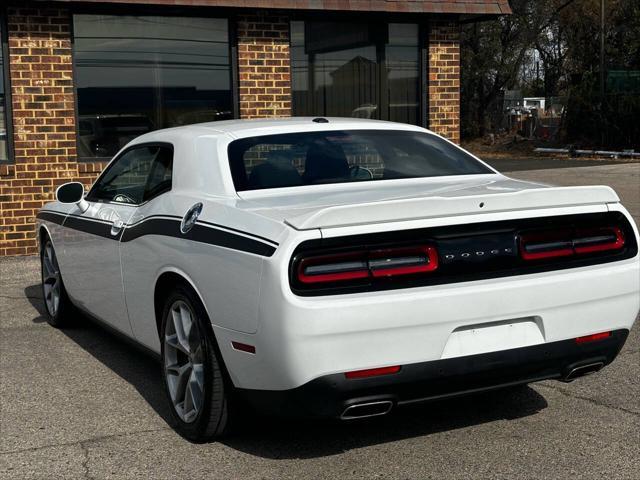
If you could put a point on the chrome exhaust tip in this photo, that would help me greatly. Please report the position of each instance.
(583, 370)
(368, 409)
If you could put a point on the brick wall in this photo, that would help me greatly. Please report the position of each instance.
(444, 79)
(264, 66)
(40, 68)
(43, 120)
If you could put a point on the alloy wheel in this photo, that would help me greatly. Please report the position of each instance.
(51, 282)
(184, 361)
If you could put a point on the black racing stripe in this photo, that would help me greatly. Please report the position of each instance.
(134, 224)
(51, 216)
(216, 225)
(168, 227)
(75, 222)
(239, 231)
(199, 233)
(152, 226)
(92, 226)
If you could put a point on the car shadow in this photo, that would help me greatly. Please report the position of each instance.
(278, 438)
(133, 365)
(33, 293)
(274, 438)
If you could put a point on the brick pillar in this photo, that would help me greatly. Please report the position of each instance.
(264, 66)
(444, 79)
(43, 120)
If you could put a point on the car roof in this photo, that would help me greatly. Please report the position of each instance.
(194, 147)
(236, 126)
(247, 128)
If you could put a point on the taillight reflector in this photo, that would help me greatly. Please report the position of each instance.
(593, 338)
(367, 264)
(372, 372)
(243, 347)
(565, 243)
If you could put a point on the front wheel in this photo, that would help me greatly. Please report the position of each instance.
(194, 379)
(56, 301)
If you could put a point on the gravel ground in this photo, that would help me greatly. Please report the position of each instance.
(81, 403)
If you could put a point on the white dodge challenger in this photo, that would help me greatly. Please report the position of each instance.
(337, 268)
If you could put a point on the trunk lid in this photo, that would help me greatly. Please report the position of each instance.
(339, 205)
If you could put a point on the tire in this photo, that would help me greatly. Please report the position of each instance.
(56, 301)
(195, 381)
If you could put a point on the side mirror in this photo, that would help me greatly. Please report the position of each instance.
(72, 192)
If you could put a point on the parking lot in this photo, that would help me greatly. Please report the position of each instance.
(82, 403)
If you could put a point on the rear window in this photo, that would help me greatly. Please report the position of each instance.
(312, 158)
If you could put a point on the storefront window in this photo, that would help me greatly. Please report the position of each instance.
(367, 70)
(135, 74)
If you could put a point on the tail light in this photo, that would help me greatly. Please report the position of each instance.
(566, 243)
(333, 268)
(403, 261)
(367, 264)
(593, 338)
(598, 240)
(539, 245)
(421, 257)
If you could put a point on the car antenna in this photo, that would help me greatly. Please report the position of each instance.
(320, 120)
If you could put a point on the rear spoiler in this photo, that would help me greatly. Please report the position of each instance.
(430, 207)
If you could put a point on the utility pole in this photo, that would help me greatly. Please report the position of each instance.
(602, 78)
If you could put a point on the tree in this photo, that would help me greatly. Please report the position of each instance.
(493, 54)
(552, 48)
(591, 119)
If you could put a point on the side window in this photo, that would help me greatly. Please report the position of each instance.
(139, 174)
(159, 180)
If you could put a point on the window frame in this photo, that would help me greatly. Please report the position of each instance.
(156, 10)
(114, 161)
(423, 23)
(8, 97)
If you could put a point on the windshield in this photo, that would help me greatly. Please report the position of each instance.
(312, 158)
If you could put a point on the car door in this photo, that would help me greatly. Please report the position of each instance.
(143, 252)
(92, 242)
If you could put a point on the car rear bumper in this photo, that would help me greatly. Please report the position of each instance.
(302, 339)
(330, 396)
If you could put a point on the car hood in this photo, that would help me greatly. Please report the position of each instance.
(326, 206)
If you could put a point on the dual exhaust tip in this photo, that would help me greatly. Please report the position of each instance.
(367, 409)
(382, 407)
(582, 370)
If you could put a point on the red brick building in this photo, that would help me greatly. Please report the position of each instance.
(81, 79)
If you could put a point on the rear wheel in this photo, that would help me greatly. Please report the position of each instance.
(56, 301)
(195, 382)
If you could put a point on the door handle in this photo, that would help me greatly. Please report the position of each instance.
(117, 227)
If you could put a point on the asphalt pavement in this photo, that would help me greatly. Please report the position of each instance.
(81, 403)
